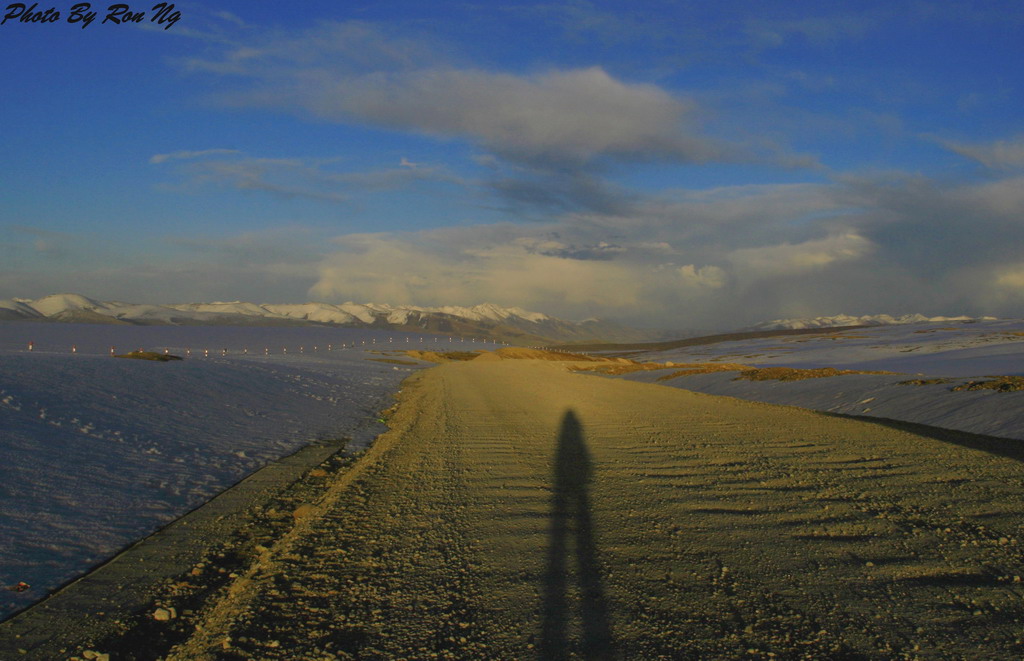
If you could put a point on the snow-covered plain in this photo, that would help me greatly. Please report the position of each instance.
(959, 351)
(97, 452)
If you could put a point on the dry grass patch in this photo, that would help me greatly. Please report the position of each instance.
(617, 368)
(704, 368)
(442, 356)
(505, 353)
(522, 353)
(149, 355)
(394, 361)
(998, 383)
(796, 374)
(746, 371)
(925, 382)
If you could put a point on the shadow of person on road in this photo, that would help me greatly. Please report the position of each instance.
(572, 536)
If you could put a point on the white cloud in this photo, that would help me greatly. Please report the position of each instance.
(1011, 279)
(434, 271)
(331, 46)
(707, 277)
(1004, 197)
(768, 33)
(188, 155)
(298, 177)
(357, 72)
(285, 177)
(998, 155)
(787, 259)
(550, 139)
(228, 16)
(570, 115)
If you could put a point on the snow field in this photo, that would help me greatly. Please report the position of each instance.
(949, 350)
(97, 452)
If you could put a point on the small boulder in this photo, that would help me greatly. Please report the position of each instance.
(164, 614)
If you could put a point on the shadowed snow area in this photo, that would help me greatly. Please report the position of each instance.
(97, 452)
(941, 355)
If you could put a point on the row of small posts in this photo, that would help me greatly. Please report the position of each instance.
(284, 350)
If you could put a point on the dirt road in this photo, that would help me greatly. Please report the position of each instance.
(517, 510)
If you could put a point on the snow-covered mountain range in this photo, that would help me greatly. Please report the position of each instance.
(865, 320)
(485, 320)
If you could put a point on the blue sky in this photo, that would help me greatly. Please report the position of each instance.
(672, 164)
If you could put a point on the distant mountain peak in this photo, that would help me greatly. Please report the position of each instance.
(482, 320)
